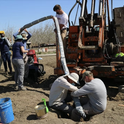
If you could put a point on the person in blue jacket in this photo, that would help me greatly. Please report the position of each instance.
(5, 53)
(26, 36)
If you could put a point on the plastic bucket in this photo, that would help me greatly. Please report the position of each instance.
(6, 111)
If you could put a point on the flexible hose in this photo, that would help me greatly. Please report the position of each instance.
(62, 54)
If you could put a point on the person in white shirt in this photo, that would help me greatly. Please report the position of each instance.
(63, 21)
(59, 90)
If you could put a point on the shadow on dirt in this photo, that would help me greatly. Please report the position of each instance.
(8, 77)
(6, 80)
(32, 117)
(112, 86)
(42, 83)
(46, 84)
(8, 88)
(39, 92)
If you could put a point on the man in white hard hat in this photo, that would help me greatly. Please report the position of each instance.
(59, 90)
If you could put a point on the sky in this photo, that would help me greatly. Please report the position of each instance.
(16, 13)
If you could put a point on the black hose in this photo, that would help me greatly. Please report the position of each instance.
(77, 1)
(35, 22)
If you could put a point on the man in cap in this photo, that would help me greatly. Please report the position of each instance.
(59, 90)
(96, 93)
(26, 36)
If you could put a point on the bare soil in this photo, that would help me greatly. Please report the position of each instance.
(23, 102)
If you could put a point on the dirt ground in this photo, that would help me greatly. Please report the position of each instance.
(23, 102)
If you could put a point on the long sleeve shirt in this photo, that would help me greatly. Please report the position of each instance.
(4, 45)
(59, 90)
(24, 41)
(96, 91)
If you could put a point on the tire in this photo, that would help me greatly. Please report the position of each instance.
(40, 70)
(30, 60)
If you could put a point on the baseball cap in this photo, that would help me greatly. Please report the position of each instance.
(86, 73)
(24, 36)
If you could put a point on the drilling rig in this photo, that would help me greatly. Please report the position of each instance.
(93, 43)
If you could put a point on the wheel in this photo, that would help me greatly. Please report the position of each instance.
(30, 60)
(41, 70)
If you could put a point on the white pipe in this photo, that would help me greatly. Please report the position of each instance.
(83, 7)
(63, 61)
(100, 7)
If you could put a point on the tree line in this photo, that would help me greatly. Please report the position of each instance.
(41, 34)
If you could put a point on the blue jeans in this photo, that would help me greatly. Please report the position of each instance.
(78, 107)
(6, 58)
(64, 107)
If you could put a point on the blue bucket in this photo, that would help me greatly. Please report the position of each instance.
(6, 111)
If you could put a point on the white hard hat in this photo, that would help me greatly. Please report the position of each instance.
(74, 77)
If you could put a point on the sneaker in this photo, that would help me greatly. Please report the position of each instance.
(16, 87)
(23, 88)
